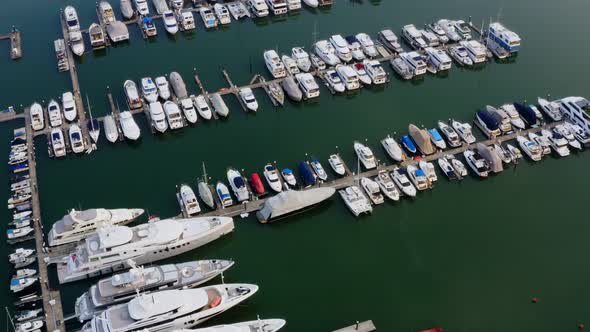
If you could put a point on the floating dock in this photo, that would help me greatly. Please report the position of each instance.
(16, 51)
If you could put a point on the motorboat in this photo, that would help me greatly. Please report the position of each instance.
(348, 76)
(341, 48)
(334, 82)
(430, 38)
(186, 21)
(76, 225)
(408, 144)
(387, 186)
(238, 185)
(307, 175)
(161, 6)
(129, 126)
(301, 58)
(367, 45)
(326, 52)
(541, 141)
(501, 41)
(390, 40)
(149, 27)
(107, 250)
(477, 163)
(178, 85)
(422, 139)
(375, 71)
(372, 190)
(219, 105)
(337, 164)
(289, 177)
(110, 129)
(69, 106)
(54, 114)
(503, 154)
(527, 114)
(262, 325)
(400, 178)
(247, 97)
(170, 309)
(311, 3)
(530, 148)
(173, 115)
(488, 123)
(203, 107)
(223, 194)
(413, 37)
(23, 262)
(158, 117)
(354, 45)
(308, 85)
(20, 284)
(316, 62)
(277, 7)
(37, 118)
(290, 65)
(142, 7)
(392, 148)
(293, 4)
(437, 139)
(188, 109)
(438, 58)
(26, 315)
(187, 196)
(149, 89)
(365, 155)
(257, 185)
(19, 254)
(568, 135)
(515, 119)
(292, 88)
(97, 36)
(163, 87)
(418, 177)
(576, 110)
(238, 10)
(71, 17)
(450, 30)
(126, 9)
(355, 200)
(276, 92)
(258, 7)
(464, 131)
(489, 154)
(271, 174)
(132, 94)
(501, 117)
(459, 167)
(362, 74)
(476, 51)
(18, 233)
(447, 168)
(170, 22)
(274, 64)
(30, 326)
(415, 61)
(318, 169)
(428, 169)
(552, 109)
(559, 144)
(177, 4)
(459, 53)
(58, 143)
(439, 32)
(514, 152)
(401, 68)
(222, 13)
(462, 29)
(76, 142)
(579, 133)
(106, 12)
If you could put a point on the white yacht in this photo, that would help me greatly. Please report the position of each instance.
(76, 43)
(260, 325)
(238, 185)
(400, 178)
(501, 41)
(20, 284)
(13, 234)
(187, 197)
(392, 148)
(530, 148)
(415, 61)
(568, 135)
(337, 165)
(341, 48)
(127, 9)
(576, 110)
(257, 7)
(439, 32)
(132, 94)
(76, 142)
(58, 143)
(294, 4)
(31, 326)
(349, 77)
(222, 13)
(77, 225)
(558, 143)
(387, 185)
(124, 286)
(170, 22)
(477, 163)
(223, 194)
(500, 116)
(326, 52)
(173, 115)
(318, 169)
(365, 155)
(449, 28)
(203, 107)
(580, 134)
(274, 64)
(308, 85)
(209, 19)
(413, 37)
(271, 174)
(514, 152)
(149, 89)
(186, 20)
(54, 113)
(503, 153)
(476, 51)
(375, 71)
(19, 254)
(188, 109)
(37, 118)
(390, 40)
(418, 177)
(277, 7)
(238, 10)
(462, 29)
(161, 6)
(552, 109)
(69, 106)
(428, 169)
(129, 126)
(290, 65)
(334, 82)
(163, 87)
(71, 17)
(515, 119)
(464, 131)
(112, 246)
(401, 68)
(142, 7)
(372, 190)
(367, 45)
(289, 177)
(110, 129)
(460, 54)
(311, 3)
(361, 72)
(316, 62)
(27, 315)
(437, 139)
(438, 58)
(354, 45)
(248, 99)
(177, 4)
(430, 38)
(355, 200)
(457, 165)
(301, 58)
(219, 105)
(158, 117)
(448, 169)
(170, 309)
(542, 141)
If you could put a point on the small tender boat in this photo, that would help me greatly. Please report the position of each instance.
(129, 126)
(54, 113)
(190, 205)
(400, 178)
(365, 155)
(238, 185)
(110, 129)
(289, 177)
(248, 98)
(337, 165)
(271, 174)
(387, 185)
(392, 148)
(57, 142)
(203, 107)
(256, 184)
(223, 194)
(319, 170)
(373, 190)
(76, 140)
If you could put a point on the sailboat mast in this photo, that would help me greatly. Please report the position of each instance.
(204, 173)
(9, 318)
(90, 112)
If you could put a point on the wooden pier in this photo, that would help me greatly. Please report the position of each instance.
(366, 326)
(16, 51)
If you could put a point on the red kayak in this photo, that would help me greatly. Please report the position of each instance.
(256, 184)
(434, 329)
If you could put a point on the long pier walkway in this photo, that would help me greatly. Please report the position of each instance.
(51, 298)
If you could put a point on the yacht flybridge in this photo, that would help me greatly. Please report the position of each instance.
(111, 247)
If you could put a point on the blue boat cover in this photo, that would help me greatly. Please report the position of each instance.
(14, 282)
(270, 168)
(239, 182)
(287, 171)
(76, 135)
(490, 122)
(306, 173)
(420, 172)
(408, 143)
(528, 115)
(351, 39)
(435, 134)
(55, 136)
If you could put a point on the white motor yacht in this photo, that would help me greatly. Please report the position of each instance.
(503, 153)
(20, 284)
(558, 143)
(170, 22)
(129, 126)
(372, 190)
(449, 28)
(271, 174)
(447, 168)
(542, 141)
(450, 134)
(439, 32)
(311, 3)
(390, 40)
(209, 19)
(219, 105)
(515, 119)
(438, 58)
(415, 61)
(173, 115)
(375, 71)
(400, 178)
(354, 45)
(177, 4)
(316, 62)
(349, 77)
(428, 169)
(301, 58)
(222, 13)
(158, 117)
(462, 29)
(69, 106)
(387, 185)
(308, 85)
(290, 65)
(149, 90)
(326, 52)
(367, 45)
(203, 107)
(258, 7)
(514, 152)
(318, 169)
(142, 7)
(31, 326)
(132, 94)
(418, 177)
(127, 9)
(274, 64)
(365, 155)
(37, 118)
(189, 200)
(163, 87)
(413, 37)
(260, 325)
(464, 131)
(57, 142)
(71, 17)
(110, 129)
(13, 234)
(476, 51)
(355, 200)
(188, 109)
(20, 253)
(337, 164)
(223, 195)
(238, 185)
(460, 55)
(457, 165)
(530, 148)
(76, 43)
(568, 135)
(477, 163)
(277, 7)
(334, 82)
(294, 4)
(76, 141)
(186, 21)
(392, 148)
(401, 68)
(54, 113)
(362, 74)
(238, 10)
(552, 109)
(161, 6)
(27, 315)
(248, 98)
(289, 177)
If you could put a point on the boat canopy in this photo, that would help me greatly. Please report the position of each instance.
(490, 122)
(306, 173)
(239, 182)
(292, 200)
(420, 172)
(527, 113)
(435, 134)
(422, 139)
(407, 141)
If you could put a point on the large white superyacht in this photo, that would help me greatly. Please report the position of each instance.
(111, 247)
(76, 225)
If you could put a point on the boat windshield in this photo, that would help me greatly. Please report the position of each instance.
(72, 22)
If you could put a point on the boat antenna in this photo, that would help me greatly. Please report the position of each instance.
(9, 320)
(500, 10)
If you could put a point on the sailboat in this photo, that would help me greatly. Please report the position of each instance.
(93, 124)
(204, 190)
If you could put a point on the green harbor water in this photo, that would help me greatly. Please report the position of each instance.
(465, 256)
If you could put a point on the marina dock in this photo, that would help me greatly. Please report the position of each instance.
(366, 326)
(15, 43)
